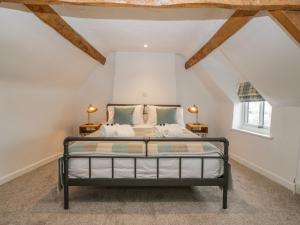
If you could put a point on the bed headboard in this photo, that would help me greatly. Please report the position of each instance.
(116, 104)
(160, 105)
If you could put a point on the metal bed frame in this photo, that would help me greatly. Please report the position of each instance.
(145, 182)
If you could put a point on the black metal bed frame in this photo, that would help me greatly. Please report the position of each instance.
(145, 182)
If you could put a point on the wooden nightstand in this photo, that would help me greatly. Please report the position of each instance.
(86, 129)
(199, 129)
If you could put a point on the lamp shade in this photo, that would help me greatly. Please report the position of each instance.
(193, 109)
(91, 109)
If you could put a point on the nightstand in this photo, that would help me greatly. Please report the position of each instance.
(86, 129)
(199, 129)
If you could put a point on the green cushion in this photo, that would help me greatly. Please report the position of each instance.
(168, 115)
(123, 115)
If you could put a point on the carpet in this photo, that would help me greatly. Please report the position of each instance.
(33, 199)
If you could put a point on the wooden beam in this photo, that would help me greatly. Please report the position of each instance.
(231, 26)
(229, 4)
(51, 18)
(290, 20)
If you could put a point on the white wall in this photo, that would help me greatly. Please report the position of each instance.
(268, 57)
(34, 121)
(275, 158)
(39, 73)
(154, 78)
(32, 52)
(96, 90)
(145, 78)
(43, 70)
(223, 73)
(190, 90)
(270, 62)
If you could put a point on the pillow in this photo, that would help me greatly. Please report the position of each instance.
(152, 115)
(123, 115)
(168, 115)
(138, 117)
(180, 119)
(151, 112)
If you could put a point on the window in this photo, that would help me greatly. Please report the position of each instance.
(253, 115)
(257, 115)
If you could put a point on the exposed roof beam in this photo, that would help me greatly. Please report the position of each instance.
(290, 20)
(50, 17)
(231, 26)
(229, 4)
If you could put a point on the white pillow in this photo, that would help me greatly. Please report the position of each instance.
(151, 112)
(152, 115)
(180, 119)
(138, 114)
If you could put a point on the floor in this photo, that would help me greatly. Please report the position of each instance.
(33, 199)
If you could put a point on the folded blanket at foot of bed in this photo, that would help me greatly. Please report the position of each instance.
(138, 148)
(170, 130)
(116, 130)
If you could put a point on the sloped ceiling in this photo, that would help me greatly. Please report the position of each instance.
(267, 56)
(261, 52)
(32, 52)
(110, 35)
(222, 73)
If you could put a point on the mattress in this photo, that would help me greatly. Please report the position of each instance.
(145, 167)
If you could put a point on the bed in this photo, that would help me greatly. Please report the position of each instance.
(146, 158)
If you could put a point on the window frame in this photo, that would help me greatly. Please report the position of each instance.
(260, 128)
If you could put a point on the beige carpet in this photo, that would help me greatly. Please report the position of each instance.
(32, 199)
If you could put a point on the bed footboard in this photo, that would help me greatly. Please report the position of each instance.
(135, 181)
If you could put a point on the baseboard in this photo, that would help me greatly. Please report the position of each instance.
(250, 165)
(27, 169)
(274, 177)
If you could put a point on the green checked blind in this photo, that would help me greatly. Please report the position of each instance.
(247, 93)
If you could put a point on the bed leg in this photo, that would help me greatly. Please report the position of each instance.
(225, 196)
(66, 176)
(225, 175)
(225, 185)
(66, 197)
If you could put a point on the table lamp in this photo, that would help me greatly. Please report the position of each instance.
(90, 109)
(194, 109)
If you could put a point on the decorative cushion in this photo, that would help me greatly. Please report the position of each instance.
(152, 115)
(168, 115)
(123, 115)
(138, 116)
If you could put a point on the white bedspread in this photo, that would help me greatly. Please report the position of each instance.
(170, 130)
(145, 167)
(116, 131)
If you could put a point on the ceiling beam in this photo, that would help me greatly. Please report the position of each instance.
(51, 18)
(230, 27)
(290, 20)
(228, 4)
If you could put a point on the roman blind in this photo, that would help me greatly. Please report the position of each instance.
(247, 93)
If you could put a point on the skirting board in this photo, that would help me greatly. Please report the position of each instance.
(244, 162)
(277, 179)
(27, 169)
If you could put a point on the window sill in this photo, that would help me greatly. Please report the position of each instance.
(266, 136)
